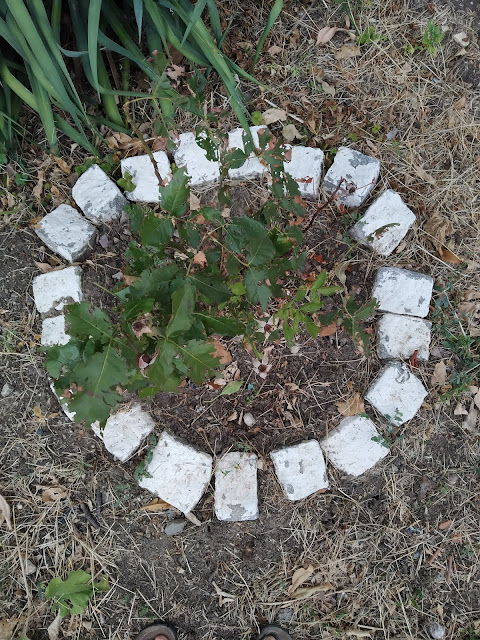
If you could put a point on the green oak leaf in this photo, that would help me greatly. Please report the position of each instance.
(82, 323)
(174, 197)
(183, 304)
(257, 290)
(197, 355)
(156, 231)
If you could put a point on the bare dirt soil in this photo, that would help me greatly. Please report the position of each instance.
(396, 549)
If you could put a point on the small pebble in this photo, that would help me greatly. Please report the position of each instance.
(436, 631)
(249, 420)
(174, 527)
(7, 390)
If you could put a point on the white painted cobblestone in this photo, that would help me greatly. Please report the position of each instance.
(236, 496)
(398, 337)
(402, 291)
(63, 405)
(55, 289)
(396, 393)
(354, 446)
(97, 196)
(53, 331)
(179, 473)
(67, 233)
(124, 431)
(253, 167)
(189, 154)
(143, 176)
(359, 170)
(388, 209)
(300, 469)
(305, 166)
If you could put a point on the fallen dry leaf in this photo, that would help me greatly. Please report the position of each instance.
(329, 330)
(221, 353)
(273, 115)
(60, 162)
(53, 629)
(325, 35)
(194, 202)
(448, 256)
(460, 410)
(157, 504)
(53, 494)
(439, 375)
(7, 627)
(5, 513)
(461, 38)
(445, 525)
(424, 175)
(460, 103)
(175, 72)
(351, 407)
(470, 423)
(274, 50)
(438, 228)
(307, 592)
(38, 188)
(290, 133)
(299, 577)
(200, 259)
(347, 51)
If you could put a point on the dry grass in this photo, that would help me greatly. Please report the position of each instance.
(377, 540)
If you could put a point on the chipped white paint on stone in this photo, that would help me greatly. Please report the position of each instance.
(189, 154)
(67, 233)
(398, 337)
(354, 446)
(402, 291)
(305, 166)
(300, 469)
(388, 209)
(361, 173)
(252, 168)
(180, 473)
(124, 431)
(143, 176)
(55, 289)
(97, 196)
(396, 393)
(53, 331)
(236, 497)
(63, 405)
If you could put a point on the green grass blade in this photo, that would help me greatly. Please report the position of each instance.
(55, 18)
(194, 17)
(94, 9)
(17, 87)
(274, 13)
(138, 8)
(215, 21)
(77, 136)
(45, 112)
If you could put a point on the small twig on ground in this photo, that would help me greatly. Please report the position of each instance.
(89, 516)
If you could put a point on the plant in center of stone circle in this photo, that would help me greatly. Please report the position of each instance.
(192, 276)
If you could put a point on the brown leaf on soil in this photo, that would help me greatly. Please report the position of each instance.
(460, 410)
(439, 376)
(448, 256)
(157, 504)
(329, 330)
(445, 525)
(351, 407)
(64, 166)
(160, 143)
(273, 115)
(38, 189)
(53, 494)
(274, 50)
(200, 259)
(307, 592)
(195, 203)
(325, 35)
(221, 353)
(7, 627)
(290, 133)
(5, 513)
(129, 279)
(438, 228)
(175, 72)
(420, 171)
(299, 577)
(470, 423)
(413, 359)
(347, 51)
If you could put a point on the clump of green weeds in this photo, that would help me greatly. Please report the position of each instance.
(191, 276)
(432, 36)
(453, 335)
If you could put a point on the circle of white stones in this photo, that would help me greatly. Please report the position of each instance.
(177, 472)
